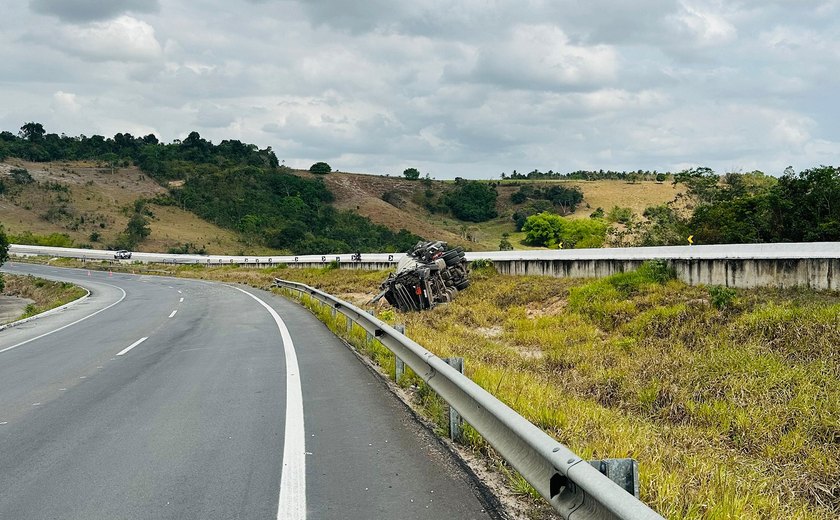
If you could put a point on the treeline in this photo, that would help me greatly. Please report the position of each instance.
(591, 175)
(749, 208)
(233, 184)
(712, 209)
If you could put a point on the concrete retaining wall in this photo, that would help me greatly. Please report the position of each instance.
(815, 273)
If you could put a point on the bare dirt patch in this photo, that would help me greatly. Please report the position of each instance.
(550, 307)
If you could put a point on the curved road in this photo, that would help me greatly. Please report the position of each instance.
(201, 419)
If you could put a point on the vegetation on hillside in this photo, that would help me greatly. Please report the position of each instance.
(747, 208)
(555, 232)
(232, 184)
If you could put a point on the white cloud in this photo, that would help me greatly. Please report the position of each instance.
(122, 39)
(542, 57)
(65, 102)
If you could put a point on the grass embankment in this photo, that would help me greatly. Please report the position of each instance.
(731, 406)
(45, 293)
(733, 412)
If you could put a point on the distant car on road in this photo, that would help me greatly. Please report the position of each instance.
(122, 254)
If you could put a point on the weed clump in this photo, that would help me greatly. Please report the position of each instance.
(722, 297)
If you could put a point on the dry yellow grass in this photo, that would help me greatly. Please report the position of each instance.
(100, 195)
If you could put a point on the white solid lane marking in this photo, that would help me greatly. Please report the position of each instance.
(173, 313)
(292, 502)
(70, 324)
(181, 300)
(126, 349)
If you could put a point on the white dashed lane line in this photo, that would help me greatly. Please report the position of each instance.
(181, 300)
(125, 350)
(173, 313)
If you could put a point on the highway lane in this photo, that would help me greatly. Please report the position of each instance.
(191, 422)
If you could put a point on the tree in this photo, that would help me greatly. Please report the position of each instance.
(472, 201)
(32, 132)
(663, 227)
(320, 167)
(411, 174)
(504, 243)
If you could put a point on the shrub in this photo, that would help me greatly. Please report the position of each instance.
(722, 297)
(553, 231)
(320, 167)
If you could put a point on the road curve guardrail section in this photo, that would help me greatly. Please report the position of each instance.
(810, 250)
(572, 486)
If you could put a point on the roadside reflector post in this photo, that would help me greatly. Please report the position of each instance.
(455, 421)
(399, 366)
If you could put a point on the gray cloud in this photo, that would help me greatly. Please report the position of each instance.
(91, 10)
(472, 88)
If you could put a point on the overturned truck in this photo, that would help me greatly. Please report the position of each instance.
(430, 274)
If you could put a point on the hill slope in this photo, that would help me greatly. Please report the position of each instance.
(364, 194)
(79, 199)
(86, 199)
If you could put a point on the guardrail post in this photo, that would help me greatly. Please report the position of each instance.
(349, 324)
(624, 472)
(455, 421)
(368, 335)
(399, 365)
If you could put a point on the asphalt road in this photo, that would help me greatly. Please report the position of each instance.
(202, 418)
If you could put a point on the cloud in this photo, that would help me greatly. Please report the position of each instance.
(469, 89)
(542, 57)
(77, 11)
(65, 102)
(122, 39)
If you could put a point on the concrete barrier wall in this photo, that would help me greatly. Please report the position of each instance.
(815, 273)
(814, 265)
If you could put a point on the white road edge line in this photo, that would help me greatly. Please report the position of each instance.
(173, 313)
(70, 324)
(292, 501)
(126, 349)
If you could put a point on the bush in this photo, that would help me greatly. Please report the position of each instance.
(621, 215)
(554, 231)
(722, 297)
(320, 167)
(411, 173)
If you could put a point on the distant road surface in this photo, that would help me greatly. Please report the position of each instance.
(163, 398)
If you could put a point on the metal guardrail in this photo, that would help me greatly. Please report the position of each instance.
(810, 250)
(570, 484)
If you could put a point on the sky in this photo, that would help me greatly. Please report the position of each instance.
(454, 88)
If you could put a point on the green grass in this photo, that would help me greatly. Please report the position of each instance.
(46, 294)
(732, 413)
